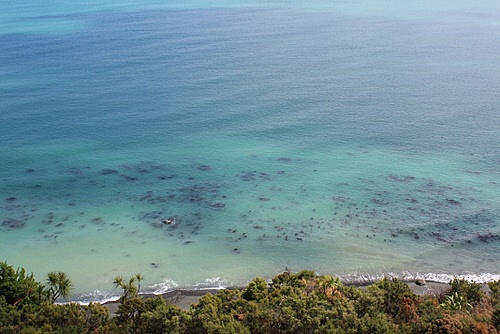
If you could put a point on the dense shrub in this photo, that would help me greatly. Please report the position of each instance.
(399, 301)
(495, 301)
(159, 317)
(19, 288)
(470, 292)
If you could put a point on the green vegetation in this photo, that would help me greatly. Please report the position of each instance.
(291, 303)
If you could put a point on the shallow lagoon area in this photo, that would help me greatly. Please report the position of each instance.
(347, 140)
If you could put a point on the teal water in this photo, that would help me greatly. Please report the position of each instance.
(357, 140)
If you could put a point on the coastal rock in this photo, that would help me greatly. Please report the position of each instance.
(420, 282)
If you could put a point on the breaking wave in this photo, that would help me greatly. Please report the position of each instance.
(411, 276)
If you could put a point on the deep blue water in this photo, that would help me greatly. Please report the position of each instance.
(354, 140)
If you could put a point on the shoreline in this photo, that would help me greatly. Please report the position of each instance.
(185, 298)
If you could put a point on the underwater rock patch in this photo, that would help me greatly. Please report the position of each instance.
(98, 220)
(12, 223)
(107, 171)
(452, 201)
(438, 236)
(167, 177)
(129, 178)
(340, 199)
(248, 176)
(264, 176)
(75, 171)
(254, 175)
(400, 179)
(379, 201)
(151, 198)
(144, 167)
(49, 218)
(202, 194)
(488, 237)
(152, 216)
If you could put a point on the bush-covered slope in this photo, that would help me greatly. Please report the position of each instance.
(291, 303)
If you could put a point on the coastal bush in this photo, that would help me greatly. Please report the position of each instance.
(292, 303)
(254, 289)
(495, 291)
(399, 301)
(495, 317)
(10, 316)
(448, 324)
(366, 303)
(218, 313)
(482, 317)
(68, 318)
(469, 293)
(495, 301)
(291, 280)
(377, 324)
(429, 311)
(19, 288)
(159, 317)
(128, 315)
(302, 303)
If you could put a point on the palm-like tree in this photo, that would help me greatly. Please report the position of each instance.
(139, 278)
(58, 285)
(130, 288)
(30, 287)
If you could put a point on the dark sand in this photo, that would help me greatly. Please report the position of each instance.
(182, 298)
(185, 298)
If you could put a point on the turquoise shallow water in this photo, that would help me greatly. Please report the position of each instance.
(347, 139)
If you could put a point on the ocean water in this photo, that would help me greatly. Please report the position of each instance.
(356, 139)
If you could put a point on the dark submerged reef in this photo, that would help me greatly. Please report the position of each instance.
(393, 208)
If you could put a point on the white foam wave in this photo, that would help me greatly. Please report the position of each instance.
(162, 287)
(169, 285)
(97, 296)
(474, 278)
(212, 283)
(410, 276)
